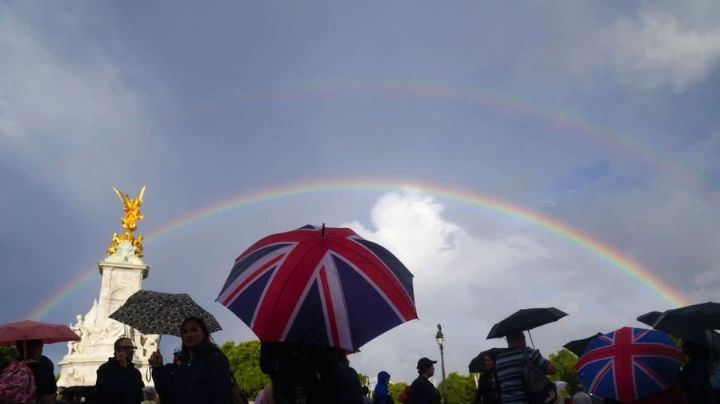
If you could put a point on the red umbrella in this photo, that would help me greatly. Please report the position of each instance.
(25, 330)
(323, 286)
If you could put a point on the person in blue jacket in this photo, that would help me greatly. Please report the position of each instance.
(203, 374)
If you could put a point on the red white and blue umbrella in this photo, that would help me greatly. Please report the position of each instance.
(629, 363)
(317, 285)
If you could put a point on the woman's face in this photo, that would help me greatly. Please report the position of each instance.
(488, 361)
(192, 334)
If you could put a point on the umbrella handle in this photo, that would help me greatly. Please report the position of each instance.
(531, 340)
(148, 371)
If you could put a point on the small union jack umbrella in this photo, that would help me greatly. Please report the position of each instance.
(629, 363)
(317, 285)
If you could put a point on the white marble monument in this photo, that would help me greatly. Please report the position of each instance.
(122, 271)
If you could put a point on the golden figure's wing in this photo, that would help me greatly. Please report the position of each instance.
(123, 197)
(140, 195)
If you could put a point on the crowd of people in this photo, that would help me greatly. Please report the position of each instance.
(504, 381)
(306, 374)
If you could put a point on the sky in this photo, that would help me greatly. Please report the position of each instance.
(598, 117)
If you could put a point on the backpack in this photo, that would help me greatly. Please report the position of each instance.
(405, 395)
(539, 389)
(17, 384)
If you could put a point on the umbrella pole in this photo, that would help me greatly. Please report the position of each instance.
(531, 341)
(148, 372)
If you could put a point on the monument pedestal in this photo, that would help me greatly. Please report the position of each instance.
(122, 275)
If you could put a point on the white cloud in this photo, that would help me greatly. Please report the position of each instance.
(654, 49)
(467, 282)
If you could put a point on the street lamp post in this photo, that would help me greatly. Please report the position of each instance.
(441, 343)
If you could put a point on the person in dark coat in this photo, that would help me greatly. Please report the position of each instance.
(298, 371)
(694, 378)
(344, 380)
(203, 375)
(422, 390)
(118, 381)
(488, 391)
(167, 395)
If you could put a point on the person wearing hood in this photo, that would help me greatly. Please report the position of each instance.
(118, 381)
(203, 375)
(381, 394)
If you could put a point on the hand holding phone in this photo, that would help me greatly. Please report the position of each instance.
(156, 359)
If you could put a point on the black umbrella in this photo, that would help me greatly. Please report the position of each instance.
(525, 320)
(708, 338)
(578, 346)
(161, 313)
(649, 318)
(704, 316)
(477, 364)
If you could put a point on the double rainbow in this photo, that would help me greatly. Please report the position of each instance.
(632, 268)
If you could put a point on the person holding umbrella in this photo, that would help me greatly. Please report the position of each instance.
(511, 364)
(29, 338)
(488, 389)
(204, 373)
(30, 352)
(694, 378)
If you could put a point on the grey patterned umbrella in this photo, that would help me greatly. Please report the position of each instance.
(161, 313)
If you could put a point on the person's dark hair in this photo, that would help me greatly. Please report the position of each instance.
(365, 390)
(515, 336)
(116, 345)
(26, 346)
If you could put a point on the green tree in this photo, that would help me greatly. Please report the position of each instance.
(364, 380)
(564, 362)
(460, 389)
(244, 361)
(7, 354)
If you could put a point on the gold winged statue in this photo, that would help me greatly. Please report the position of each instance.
(131, 208)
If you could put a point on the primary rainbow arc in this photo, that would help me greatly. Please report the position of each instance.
(632, 268)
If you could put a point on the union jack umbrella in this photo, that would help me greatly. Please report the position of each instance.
(323, 286)
(629, 363)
